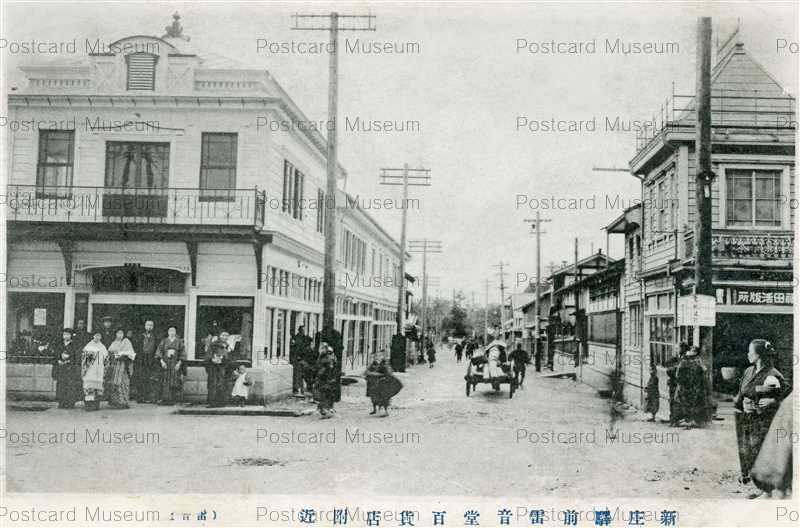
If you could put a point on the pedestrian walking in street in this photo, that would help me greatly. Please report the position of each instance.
(382, 384)
(67, 371)
(241, 386)
(217, 366)
(325, 386)
(146, 372)
(298, 354)
(761, 391)
(168, 379)
(121, 358)
(675, 412)
(459, 351)
(520, 359)
(94, 360)
(653, 396)
(692, 392)
(772, 471)
(431, 354)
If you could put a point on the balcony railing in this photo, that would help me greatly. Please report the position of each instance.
(746, 245)
(32, 203)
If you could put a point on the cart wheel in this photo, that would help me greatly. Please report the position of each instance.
(468, 386)
(511, 388)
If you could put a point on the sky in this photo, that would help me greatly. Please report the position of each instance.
(477, 81)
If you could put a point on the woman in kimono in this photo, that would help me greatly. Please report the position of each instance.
(94, 360)
(121, 356)
(170, 356)
(327, 379)
(772, 470)
(67, 371)
(761, 392)
(217, 371)
(381, 384)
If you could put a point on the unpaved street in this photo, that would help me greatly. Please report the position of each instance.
(550, 439)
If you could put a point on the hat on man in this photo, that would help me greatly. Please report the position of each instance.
(107, 318)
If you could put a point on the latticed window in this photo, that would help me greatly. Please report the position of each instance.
(141, 71)
(752, 197)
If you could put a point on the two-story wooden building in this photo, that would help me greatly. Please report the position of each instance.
(753, 157)
(147, 182)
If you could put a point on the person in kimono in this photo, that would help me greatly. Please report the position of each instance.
(692, 393)
(216, 370)
(241, 386)
(170, 382)
(94, 360)
(495, 355)
(146, 372)
(761, 391)
(772, 471)
(172, 369)
(431, 354)
(81, 336)
(121, 358)
(520, 359)
(67, 371)
(653, 397)
(327, 381)
(381, 384)
(108, 332)
(298, 354)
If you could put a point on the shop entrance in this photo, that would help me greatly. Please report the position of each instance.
(132, 317)
(225, 314)
(733, 334)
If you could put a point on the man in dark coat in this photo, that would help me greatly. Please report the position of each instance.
(108, 332)
(692, 393)
(676, 414)
(67, 371)
(520, 359)
(145, 370)
(298, 357)
(80, 336)
(217, 370)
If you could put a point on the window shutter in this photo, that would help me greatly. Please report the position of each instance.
(141, 71)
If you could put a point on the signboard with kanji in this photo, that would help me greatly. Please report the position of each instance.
(761, 296)
(697, 310)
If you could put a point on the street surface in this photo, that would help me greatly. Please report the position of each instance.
(551, 439)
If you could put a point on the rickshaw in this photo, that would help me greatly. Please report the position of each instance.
(491, 367)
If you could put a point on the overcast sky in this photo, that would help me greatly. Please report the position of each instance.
(468, 86)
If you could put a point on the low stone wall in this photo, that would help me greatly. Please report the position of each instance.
(34, 382)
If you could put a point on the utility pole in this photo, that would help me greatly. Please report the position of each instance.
(420, 178)
(502, 293)
(330, 23)
(424, 246)
(536, 226)
(703, 275)
(486, 313)
(578, 315)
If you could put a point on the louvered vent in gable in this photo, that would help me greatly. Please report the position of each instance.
(141, 71)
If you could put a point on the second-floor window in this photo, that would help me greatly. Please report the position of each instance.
(293, 182)
(752, 197)
(56, 159)
(137, 165)
(218, 165)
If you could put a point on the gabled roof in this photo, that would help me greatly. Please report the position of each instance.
(629, 219)
(740, 88)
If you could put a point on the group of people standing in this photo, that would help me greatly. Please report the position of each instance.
(105, 365)
(762, 408)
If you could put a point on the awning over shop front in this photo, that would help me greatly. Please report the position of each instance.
(92, 255)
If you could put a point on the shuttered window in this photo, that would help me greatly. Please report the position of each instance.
(141, 71)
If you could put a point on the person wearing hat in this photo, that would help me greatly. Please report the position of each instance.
(67, 371)
(761, 391)
(217, 366)
(520, 359)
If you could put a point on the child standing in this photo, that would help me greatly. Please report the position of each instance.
(241, 386)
